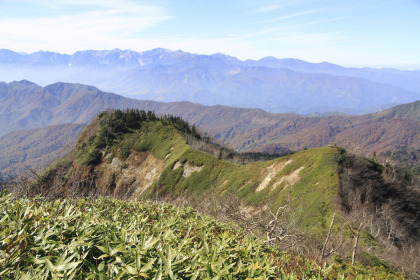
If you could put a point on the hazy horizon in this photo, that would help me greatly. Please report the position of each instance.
(397, 67)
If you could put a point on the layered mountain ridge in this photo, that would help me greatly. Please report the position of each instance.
(275, 85)
(25, 105)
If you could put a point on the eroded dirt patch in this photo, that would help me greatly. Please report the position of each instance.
(270, 172)
(177, 165)
(189, 169)
(290, 179)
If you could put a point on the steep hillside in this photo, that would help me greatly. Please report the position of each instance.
(36, 148)
(270, 84)
(136, 155)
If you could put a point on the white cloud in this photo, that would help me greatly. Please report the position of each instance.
(84, 29)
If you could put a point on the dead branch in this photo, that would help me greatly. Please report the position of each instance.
(356, 241)
(279, 228)
(31, 171)
(323, 255)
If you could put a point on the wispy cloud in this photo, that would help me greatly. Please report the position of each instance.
(312, 39)
(290, 16)
(274, 6)
(96, 27)
(268, 8)
(311, 23)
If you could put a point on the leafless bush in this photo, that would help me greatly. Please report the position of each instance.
(17, 183)
(386, 204)
(277, 227)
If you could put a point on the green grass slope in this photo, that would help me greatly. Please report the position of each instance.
(188, 172)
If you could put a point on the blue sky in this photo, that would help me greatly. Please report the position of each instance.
(376, 33)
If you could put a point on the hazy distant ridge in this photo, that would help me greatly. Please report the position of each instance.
(275, 85)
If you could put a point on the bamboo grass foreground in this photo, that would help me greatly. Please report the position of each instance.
(115, 239)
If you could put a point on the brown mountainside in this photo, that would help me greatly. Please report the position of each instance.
(36, 148)
(25, 105)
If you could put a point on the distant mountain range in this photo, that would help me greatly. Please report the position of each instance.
(274, 85)
(25, 105)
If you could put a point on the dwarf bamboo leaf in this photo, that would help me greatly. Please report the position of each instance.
(159, 274)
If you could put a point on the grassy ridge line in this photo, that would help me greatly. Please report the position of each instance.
(122, 136)
(119, 134)
(317, 183)
(113, 239)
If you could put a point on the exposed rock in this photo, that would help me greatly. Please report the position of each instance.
(131, 177)
(116, 164)
(189, 169)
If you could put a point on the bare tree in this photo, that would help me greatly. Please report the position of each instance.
(17, 183)
(279, 228)
(356, 241)
(334, 247)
